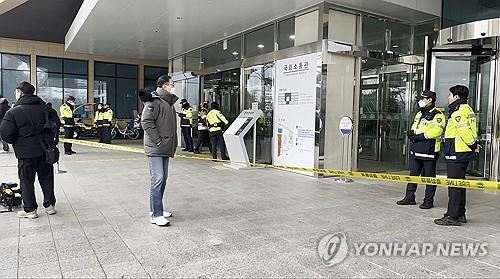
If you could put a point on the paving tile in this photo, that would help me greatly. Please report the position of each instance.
(45, 270)
(85, 273)
(234, 224)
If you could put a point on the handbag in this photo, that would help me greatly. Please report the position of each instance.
(52, 153)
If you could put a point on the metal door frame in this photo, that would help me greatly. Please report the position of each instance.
(493, 100)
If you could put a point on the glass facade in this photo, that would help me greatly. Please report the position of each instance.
(222, 52)
(456, 12)
(13, 70)
(116, 84)
(259, 41)
(151, 75)
(259, 90)
(57, 79)
(382, 35)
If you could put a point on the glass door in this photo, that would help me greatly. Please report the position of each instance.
(386, 92)
(259, 90)
(476, 70)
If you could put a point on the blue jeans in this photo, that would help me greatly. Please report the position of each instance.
(158, 169)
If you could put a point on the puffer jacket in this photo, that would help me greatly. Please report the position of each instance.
(4, 107)
(23, 132)
(159, 123)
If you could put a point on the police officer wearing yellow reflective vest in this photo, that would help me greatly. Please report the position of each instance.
(216, 121)
(98, 121)
(460, 148)
(68, 121)
(186, 115)
(425, 136)
(107, 117)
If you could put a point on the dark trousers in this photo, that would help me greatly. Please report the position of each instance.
(28, 168)
(99, 133)
(69, 133)
(426, 168)
(456, 196)
(188, 139)
(106, 134)
(203, 138)
(218, 140)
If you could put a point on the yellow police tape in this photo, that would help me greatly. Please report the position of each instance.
(443, 182)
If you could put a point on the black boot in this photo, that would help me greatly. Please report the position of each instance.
(406, 202)
(462, 219)
(426, 205)
(447, 221)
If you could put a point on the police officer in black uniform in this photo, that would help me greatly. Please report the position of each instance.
(460, 147)
(425, 136)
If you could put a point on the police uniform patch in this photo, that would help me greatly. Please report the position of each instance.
(458, 118)
(439, 120)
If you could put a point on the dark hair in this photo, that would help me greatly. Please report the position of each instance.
(214, 105)
(162, 80)
(49, 105)
(26, 87)
(71, 98)
(461, 91)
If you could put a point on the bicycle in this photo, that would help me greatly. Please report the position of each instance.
(131, 131)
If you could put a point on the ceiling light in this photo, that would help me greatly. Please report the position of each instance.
(260, 46)
(218, 70)
(235, 53)
(201, 62)
(395, 46)
(292, 37)
(235, 74)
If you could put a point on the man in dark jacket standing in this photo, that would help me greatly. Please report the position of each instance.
(4, 107)
(160, 142)
(23, 127)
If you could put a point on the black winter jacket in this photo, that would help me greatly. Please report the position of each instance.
(4, 107)
(17, 130)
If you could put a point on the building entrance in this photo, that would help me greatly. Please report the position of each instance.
(386, 105)
(224, 88)
(475, 67)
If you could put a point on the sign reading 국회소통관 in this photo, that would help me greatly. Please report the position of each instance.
(295, 111)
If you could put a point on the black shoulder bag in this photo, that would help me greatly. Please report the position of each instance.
(51, 151)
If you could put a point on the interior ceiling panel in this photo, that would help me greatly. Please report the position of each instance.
(40, 20)
(159, 29)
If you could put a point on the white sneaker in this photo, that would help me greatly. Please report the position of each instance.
(166, 214)
(27, 215)
(160, 221)
(51, 210)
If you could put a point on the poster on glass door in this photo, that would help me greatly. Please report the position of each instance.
(295, 111)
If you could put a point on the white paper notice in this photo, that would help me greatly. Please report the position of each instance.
(295, 111)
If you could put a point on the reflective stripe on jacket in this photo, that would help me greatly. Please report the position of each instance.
(216, 120)
(67, 116)
(107, 117)
(461, 133)
(202, 120)
(187, 117)
(430, 125)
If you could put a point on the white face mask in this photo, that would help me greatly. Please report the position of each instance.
(422, 104)
(172, 90)
(18, 94)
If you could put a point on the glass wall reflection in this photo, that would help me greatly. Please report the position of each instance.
(259, 91)
(13, 70)
(117, 84)
(57, 79)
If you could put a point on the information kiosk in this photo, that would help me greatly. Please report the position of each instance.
(234, 138)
